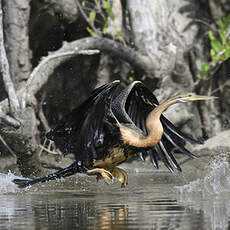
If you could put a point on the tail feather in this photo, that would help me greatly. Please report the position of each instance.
(22, 183)
(72, 169)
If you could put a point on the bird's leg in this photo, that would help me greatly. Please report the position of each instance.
(121, 175)
(109, 174)
(101, 174)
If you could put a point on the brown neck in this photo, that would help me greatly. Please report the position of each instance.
(154, 127)
(154, 117)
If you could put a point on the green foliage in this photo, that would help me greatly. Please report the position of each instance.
(204, 70)
(119, 35)
(220, 47)
(92, 16)
(91, 32)
(104, 30)
(103, 10)
(131, 79)
(108, 9)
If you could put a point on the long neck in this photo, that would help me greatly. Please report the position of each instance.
(155, 129)
(153, 119)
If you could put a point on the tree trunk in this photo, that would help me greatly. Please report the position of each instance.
(16, 21)
(156, 29)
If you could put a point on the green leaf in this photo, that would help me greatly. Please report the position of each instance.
(131, 79)
(106, 5)
(204, 70)
(220, 47)
(91, 32)
(220, 24)
(108, 9)
(226, 22)
(210, 35)
(104, 30)
(212, 53)
(92, 16)
(214, 56)
(111, 15)
(216, 45)
(222, 34)
(205, 66)
(119, 35)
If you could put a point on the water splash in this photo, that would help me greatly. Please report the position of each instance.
(210, 193)
(216, 180)
(6, 184)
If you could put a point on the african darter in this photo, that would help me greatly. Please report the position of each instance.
(113, 125)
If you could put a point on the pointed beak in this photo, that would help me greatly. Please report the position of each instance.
(200, 98)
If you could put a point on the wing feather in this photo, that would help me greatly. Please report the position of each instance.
(133, 106)
(163, 157)
(151, 153)
(179, 147)
(82, 131)
(173, 129)
(170, 156)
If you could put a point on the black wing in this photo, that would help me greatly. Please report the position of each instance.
(82, 132)
(132, 107)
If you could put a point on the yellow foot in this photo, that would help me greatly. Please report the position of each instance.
(101, 174)
(121, 175)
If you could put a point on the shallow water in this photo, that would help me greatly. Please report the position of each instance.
(152, 200)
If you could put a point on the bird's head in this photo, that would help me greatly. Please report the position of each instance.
(190, 98)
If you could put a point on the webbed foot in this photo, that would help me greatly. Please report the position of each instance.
(121, 175)
(101, 174)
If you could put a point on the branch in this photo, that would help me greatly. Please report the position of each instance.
(41, 73)
(4, 66)
(45, 63)
(9, 121)
(7, 146)
(48, 150)
(85, 17)
(42, 115)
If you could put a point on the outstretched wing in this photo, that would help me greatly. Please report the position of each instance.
(82, 132)
(132, 107)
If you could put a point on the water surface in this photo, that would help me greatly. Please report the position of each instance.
(152, 200)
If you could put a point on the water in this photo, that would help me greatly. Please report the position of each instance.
(152, 200)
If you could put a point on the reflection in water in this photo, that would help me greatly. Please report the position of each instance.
(64, 214)
(61, 213)
(114, 217)
(149, 202)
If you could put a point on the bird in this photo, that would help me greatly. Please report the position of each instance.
(114, 125)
